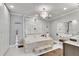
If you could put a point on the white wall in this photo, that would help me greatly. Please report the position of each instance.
(4, 29)
(66, 18)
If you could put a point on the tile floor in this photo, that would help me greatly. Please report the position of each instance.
(56, 52)
(20, 51)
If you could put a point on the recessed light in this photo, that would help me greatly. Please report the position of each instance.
(74, 21)
(65, 8)
(11, 6)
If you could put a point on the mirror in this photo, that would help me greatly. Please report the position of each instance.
(69, 27)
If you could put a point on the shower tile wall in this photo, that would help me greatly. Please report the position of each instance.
(41, 26)
(38, 26)
(16, 24)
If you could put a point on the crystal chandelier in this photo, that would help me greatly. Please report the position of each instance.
(44, 13)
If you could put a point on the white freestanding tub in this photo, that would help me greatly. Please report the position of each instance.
(37, 44)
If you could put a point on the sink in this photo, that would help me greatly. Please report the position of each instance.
(76, 37)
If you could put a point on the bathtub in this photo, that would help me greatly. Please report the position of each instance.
(37, 44)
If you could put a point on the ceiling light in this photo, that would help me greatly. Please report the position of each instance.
(65, 8)
(74, 22)
(11, 6)
(44, 13)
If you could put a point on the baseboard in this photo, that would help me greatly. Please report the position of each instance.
(14, 45)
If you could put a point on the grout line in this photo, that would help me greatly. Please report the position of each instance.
(6, 52)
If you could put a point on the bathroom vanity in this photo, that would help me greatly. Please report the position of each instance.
(71, 48)
(70, 45)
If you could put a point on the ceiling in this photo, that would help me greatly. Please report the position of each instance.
(30, 9)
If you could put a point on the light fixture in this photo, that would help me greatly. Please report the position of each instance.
(74, 22)
(11, 6)
(44, 13)
(65, 8)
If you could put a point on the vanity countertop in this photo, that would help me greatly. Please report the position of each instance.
(72, 43)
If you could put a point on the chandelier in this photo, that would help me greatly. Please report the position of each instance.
(44, 13)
